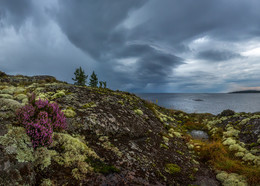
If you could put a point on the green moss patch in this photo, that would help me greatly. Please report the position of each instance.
(138, 112)
(69, 113)
(18, 143)
(172, 168)
(101, 167)
(89, 105)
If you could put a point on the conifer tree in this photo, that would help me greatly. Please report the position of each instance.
(105, 84)
(93, 82)
(80, 77)
(101, 84)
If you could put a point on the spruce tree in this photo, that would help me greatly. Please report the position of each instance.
(93, 82)
(105, 84)
(80, 77)
(100, 84)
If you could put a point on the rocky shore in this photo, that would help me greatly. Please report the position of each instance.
(116, 138)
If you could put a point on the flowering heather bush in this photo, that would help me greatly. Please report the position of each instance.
(40, 118)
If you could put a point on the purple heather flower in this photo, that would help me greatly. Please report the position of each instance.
(40, 118)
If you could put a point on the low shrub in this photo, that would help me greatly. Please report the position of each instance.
(227, 112)
(40, 118)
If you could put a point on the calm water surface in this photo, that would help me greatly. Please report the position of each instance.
(210, 103)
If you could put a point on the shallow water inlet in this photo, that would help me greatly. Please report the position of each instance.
(199, 134)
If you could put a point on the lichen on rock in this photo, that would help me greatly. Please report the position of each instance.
(69, 113)
(73, 152)
(139, 112)
(172, 168)
(18, 143)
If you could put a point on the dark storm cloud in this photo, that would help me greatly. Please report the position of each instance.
(177, 21)
(93, 25)
(133, 44)
(216, 55)
(152, 65)
(15, 12)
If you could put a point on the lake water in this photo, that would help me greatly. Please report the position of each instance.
(202, 103)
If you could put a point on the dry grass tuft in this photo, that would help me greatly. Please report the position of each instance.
(222, 159)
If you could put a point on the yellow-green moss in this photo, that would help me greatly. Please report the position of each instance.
(251, 158)
(42, 96)
(69, 113)
(195, 162)
(89, 105)
(17, 142)
(46, 182)
(163, 118)
(236, 147)
(190, 146)
(109, 146)
(162, 145)
(166, 140)
(138, 112)
(24, 101)
(179, 152)
(10, 104)
(231, 179)
(43, 157)
(6, 96)
(6, 115)
(19, 90)
(20, 97)
(231, 132)
(80, 172)
(59, 94)
(177, 134)
(172, 168)
(74, 151)
(8, 90)
(229, 141)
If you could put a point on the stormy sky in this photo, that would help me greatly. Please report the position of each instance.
(136, 45)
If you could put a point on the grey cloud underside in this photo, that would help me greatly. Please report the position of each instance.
(93, 25)
(104, 39)
(183, 20)
(216, 55)
(152, 65)
(15, 12)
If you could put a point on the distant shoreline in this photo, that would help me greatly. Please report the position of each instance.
(244, 91)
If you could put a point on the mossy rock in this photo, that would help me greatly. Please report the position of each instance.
(89, 105)
(46, 182)
(73, 150)
(172, 168)
(20, 97)
(8, 90)
(139, 112)
(6, 96)
(18, 143)
(231, 179)
(10, 104)
(59, 94)
(69, 113)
